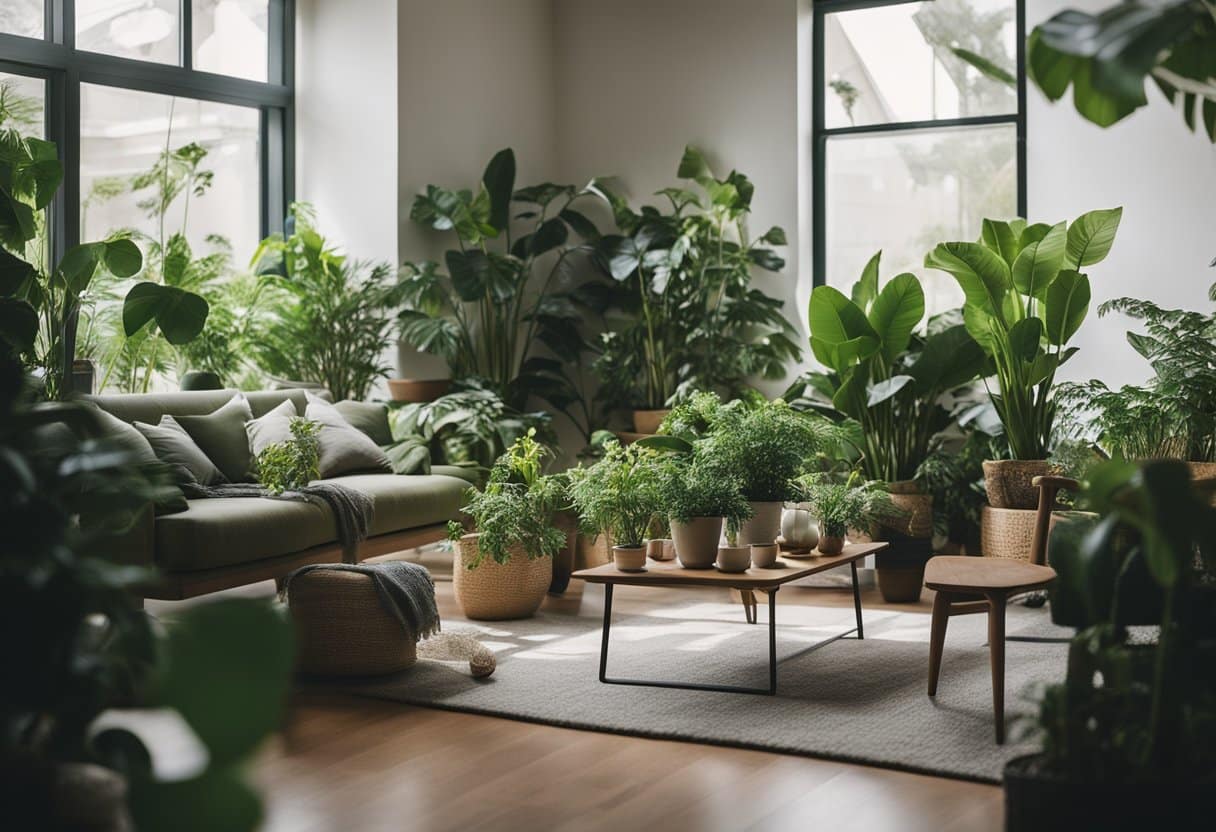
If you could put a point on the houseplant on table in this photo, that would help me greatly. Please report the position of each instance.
(1129, 737)
(504, 569)
(840, 506)
(1025, 299)
(700, 495)
(619, 496)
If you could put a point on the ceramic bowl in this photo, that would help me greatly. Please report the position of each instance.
(734, 558)
(764, 555)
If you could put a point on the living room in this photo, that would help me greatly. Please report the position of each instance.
(557, 414)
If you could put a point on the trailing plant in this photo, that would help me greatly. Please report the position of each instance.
(689, 316)
(516, 508)
(619, 495)
(852, 504)
(1025, 299)
(507, 291)
(470, 426)
(882, 372)
(331, 319)
(1107, 56)
(39, 302)
(1131, 711)
(1173, 415)
(293, 463)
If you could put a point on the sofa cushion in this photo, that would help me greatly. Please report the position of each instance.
(471, 474)
(233, 530)
(369, 417)
(149, 407)
(269, 429)
(408, 502)
(222, 437)
(125, 436)
(174, 447)
(344, 449)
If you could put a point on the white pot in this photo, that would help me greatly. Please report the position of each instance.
(764, 525)
(764, 555)
(734, 558)
(697, 541)
(798, 527)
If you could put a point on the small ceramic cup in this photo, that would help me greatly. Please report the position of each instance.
(764, 555)
(734, 558)
(660, 548)
(629, 558)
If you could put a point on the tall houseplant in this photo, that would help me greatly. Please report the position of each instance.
(1025, 299)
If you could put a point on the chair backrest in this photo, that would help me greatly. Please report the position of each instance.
(1049, 487)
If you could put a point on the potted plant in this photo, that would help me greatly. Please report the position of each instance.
(1025, 298)
(854, 503)
(733, 557)
(618, 497)
(700, 496)
(504, 569)
(1129, 736)
(689, 317)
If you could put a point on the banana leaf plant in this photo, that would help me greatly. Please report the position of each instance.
(1025, 299)
(882, 372)
(508, 289)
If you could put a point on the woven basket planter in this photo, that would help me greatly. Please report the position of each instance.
(1008, 482)
(916, 518)
(1006, 532)
(496, 591)
(592, 551)
(342, 629)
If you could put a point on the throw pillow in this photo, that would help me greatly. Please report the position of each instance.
(272, 427)
(369, 417)
(125, 436)
(344, 449)
(221, 435)
(174, 447)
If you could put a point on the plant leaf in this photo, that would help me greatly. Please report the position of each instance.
(1039, 262)
(499, 182)
(1066, 307)
(1091, 235)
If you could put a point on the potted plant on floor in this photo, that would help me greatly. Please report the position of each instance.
(840, 506)
(504, 569)
(1129, 737)
(1025, 299)
(700, 496)
(619, 497)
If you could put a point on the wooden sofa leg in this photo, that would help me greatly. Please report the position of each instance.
(996, 656)
(937, 637)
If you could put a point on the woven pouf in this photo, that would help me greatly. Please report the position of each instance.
(342, 629)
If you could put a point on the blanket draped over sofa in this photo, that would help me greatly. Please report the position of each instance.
(352, 509)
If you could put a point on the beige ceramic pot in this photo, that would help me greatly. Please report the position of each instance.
(660, 548)
(1008, 482)
(495, 591)
(764, 555)
(418, 389)
(647, 421)
(798, 527)
(764, 525)
(629, 558)
(733, 558)
(697, 541)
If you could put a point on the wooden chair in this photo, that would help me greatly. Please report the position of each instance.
(976, 584)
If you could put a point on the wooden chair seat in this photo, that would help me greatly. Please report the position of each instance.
(961, 573)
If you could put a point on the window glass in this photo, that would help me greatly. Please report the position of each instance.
(230, 37)
(904, 192)
(23, 17)
(908, 62)
(23, 104)
(145, 30)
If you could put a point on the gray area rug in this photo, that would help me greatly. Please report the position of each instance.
(854, 701)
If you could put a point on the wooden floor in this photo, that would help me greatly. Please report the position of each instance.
(354, 764)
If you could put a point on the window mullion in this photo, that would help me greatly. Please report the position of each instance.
(186, 53)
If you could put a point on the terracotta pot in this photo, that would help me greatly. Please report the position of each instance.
(647, 422)
(764, 525)
(495, 591)
(798, 529)
(1008, 481)
(734, 558)
(764, 555)
(660, 548)
(629, 558)
(830, 544)
(916, 518)
(697, 541)
(418, 389)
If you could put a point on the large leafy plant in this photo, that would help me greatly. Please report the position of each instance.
(329, 319)
(690, 317)
(1025, 299)
(507, 290)
(883, 373)
(1106, 58)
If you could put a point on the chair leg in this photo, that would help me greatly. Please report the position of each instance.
(749, 605)
(937, 637)
(996, 655)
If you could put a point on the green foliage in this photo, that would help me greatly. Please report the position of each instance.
(516, 508)
(1025, 299)
(293, 463)
(328, 318)
(852, 504)
(701, 485)
(1130, 711)
(507, 297)
(1106, 57)
(882, 372)
(688, 317)
(619, 495)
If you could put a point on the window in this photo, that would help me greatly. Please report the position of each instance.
(23, 17)
(918, 129)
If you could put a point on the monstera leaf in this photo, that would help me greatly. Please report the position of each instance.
(180, 315)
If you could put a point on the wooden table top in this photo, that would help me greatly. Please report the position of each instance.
(671, 573)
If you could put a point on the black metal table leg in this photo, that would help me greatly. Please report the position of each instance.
(861, 632)
(772, 641)
(607, 628)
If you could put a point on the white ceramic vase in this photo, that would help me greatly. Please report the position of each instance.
(798, 527)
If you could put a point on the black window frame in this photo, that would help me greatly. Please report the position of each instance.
(64, 68)
(820, 132)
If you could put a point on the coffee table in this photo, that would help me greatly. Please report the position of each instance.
(770, 580)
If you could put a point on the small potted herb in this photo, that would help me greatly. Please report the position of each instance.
(618, 496)
(840, 506)
(699, 497)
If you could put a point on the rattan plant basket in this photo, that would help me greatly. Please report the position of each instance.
(1008, 482)
(494, 591)
(342, 629)
(1006, 532)
(916, 511)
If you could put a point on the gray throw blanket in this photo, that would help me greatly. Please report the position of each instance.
(352, 509)
(406, 592)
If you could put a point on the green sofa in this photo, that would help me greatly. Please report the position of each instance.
(221, 543)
